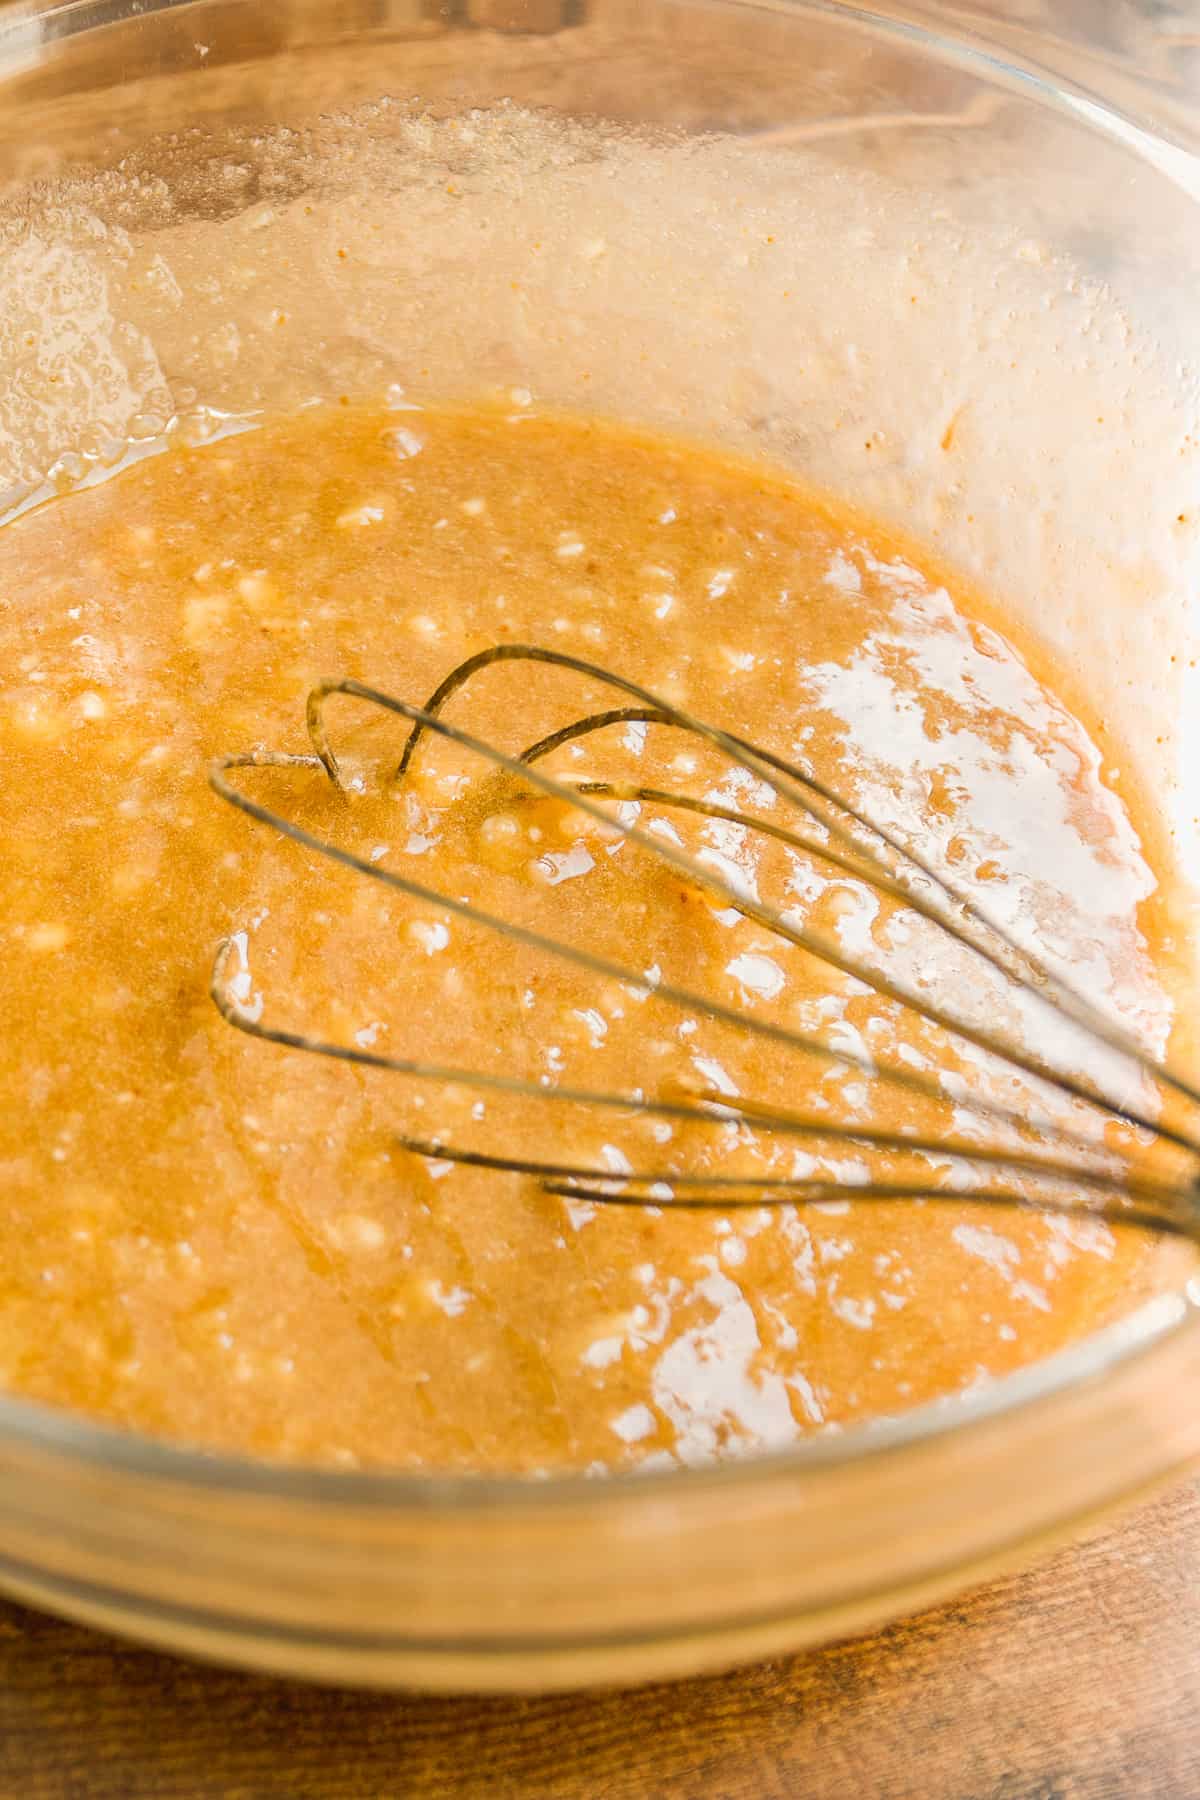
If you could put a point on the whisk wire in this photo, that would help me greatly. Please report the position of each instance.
(802, 789)
(894, 870)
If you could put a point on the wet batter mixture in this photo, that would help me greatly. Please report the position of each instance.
(223, 1242)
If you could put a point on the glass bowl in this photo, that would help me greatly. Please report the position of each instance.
(880, 248)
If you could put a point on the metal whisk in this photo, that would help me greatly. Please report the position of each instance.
(1122, 1144)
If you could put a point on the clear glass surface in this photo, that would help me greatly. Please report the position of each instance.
(972, 217)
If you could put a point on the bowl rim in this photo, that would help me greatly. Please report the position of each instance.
(31, 25)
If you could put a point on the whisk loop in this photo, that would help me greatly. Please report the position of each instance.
(1066, 1170)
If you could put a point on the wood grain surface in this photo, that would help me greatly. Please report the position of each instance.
(1077, 1681)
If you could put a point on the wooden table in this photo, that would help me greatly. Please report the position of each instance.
(1078, 1681)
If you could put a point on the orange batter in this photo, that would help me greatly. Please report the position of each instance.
(222, 1242)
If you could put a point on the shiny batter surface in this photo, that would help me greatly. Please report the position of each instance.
(222, 1242)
